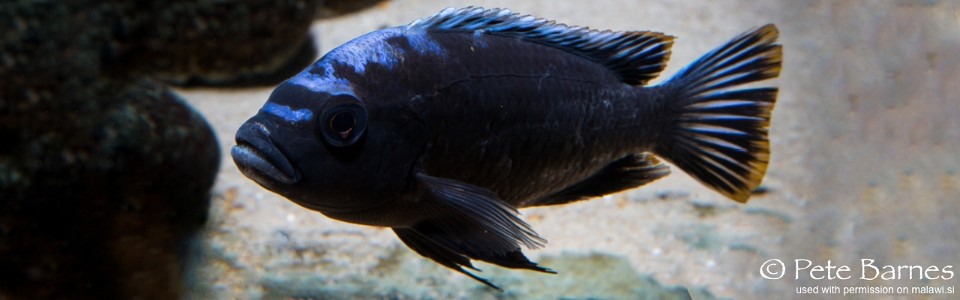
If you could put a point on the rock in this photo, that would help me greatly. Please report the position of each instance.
(334, 8)
(217, 43)
(393, 276)
(104, 176)
(105, 198)
(214, 43)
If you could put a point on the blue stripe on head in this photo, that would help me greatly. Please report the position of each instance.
(320, 77)
(286, 113)
(373, 48)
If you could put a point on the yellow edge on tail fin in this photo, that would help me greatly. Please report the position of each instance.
(769, 34)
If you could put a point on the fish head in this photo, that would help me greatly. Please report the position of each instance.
(325, 148)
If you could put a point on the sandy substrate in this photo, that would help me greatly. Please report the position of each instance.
(864, 143)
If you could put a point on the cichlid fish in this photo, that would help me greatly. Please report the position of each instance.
(443, 128)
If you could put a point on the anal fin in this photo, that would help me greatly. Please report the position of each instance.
(467, 222)
(625, 173)
(428, 248)
(430, 240)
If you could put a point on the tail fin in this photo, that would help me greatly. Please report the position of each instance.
(719, 135)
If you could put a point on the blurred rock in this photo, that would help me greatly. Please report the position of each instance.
(335, 8)
(104, 176)
(213, 43)
(103, 203)
(398, 274)
(217, 43)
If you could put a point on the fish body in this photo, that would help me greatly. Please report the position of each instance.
(441, 129)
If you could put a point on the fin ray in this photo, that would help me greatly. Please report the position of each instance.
(636, 56)
(436, 252)
(467, 222)
(481, 209)
(719, 135)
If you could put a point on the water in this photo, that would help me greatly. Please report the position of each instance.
(860, 198)
(864, 166)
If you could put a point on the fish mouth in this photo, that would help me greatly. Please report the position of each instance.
(259, 158)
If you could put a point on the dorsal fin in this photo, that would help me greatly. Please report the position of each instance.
(637, 56)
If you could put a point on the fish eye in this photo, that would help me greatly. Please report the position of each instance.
(344, 123)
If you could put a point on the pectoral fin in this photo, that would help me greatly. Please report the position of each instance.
(470, 222)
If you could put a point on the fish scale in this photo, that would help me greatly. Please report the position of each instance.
(528, 129)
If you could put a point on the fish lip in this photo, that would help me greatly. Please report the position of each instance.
(260, 159)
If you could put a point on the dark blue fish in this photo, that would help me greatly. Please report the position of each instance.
(441, 129)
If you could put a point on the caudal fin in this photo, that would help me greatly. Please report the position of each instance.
(719, 135)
